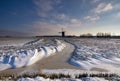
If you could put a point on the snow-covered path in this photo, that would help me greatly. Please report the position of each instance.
(59, 60)
(56, 61)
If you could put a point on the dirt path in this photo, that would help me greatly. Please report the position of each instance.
(56, 61)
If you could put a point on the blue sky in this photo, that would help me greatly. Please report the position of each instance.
(47, 17)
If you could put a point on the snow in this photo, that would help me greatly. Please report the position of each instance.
(29, 53)
(88, 54)
(73, 72)
(6, 42)
(62, 79)
(96, 53)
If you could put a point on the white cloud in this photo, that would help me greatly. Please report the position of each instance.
(102, 7)
(60, 16)
(92, 18)
(43, 7)
(118, 15)
(70, 22)
(45, 28)
(94, 1)
(52, 28)
(75, 22)
(108, 7)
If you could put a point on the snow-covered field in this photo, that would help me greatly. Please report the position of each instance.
(91, 55)
(24, 52)
(16, 42)
(103, 54)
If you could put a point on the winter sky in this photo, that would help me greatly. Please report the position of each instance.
(47, 17)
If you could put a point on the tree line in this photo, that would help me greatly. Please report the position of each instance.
(99, 35)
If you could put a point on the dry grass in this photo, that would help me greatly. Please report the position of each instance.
(53, 76)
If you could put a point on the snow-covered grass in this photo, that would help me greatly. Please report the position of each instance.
(62, 79)
(29, 52)
(96, 53)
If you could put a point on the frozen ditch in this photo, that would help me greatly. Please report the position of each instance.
(29, 53)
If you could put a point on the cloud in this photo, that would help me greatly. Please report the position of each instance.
(61, 16)
(92, 18)
(94, 1)
(44, 7)
(102, 7)
(69, 22)
(45, 28)
(118, 15)
(75, 23)
(52, 28)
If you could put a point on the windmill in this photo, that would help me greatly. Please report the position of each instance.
(63, 33)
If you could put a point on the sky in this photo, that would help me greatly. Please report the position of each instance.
(47, 17)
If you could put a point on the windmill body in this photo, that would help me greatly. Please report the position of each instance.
(63, 33)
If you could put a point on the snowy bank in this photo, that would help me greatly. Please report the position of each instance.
(29, 53)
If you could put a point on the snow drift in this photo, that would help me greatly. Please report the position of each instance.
(29, 54)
